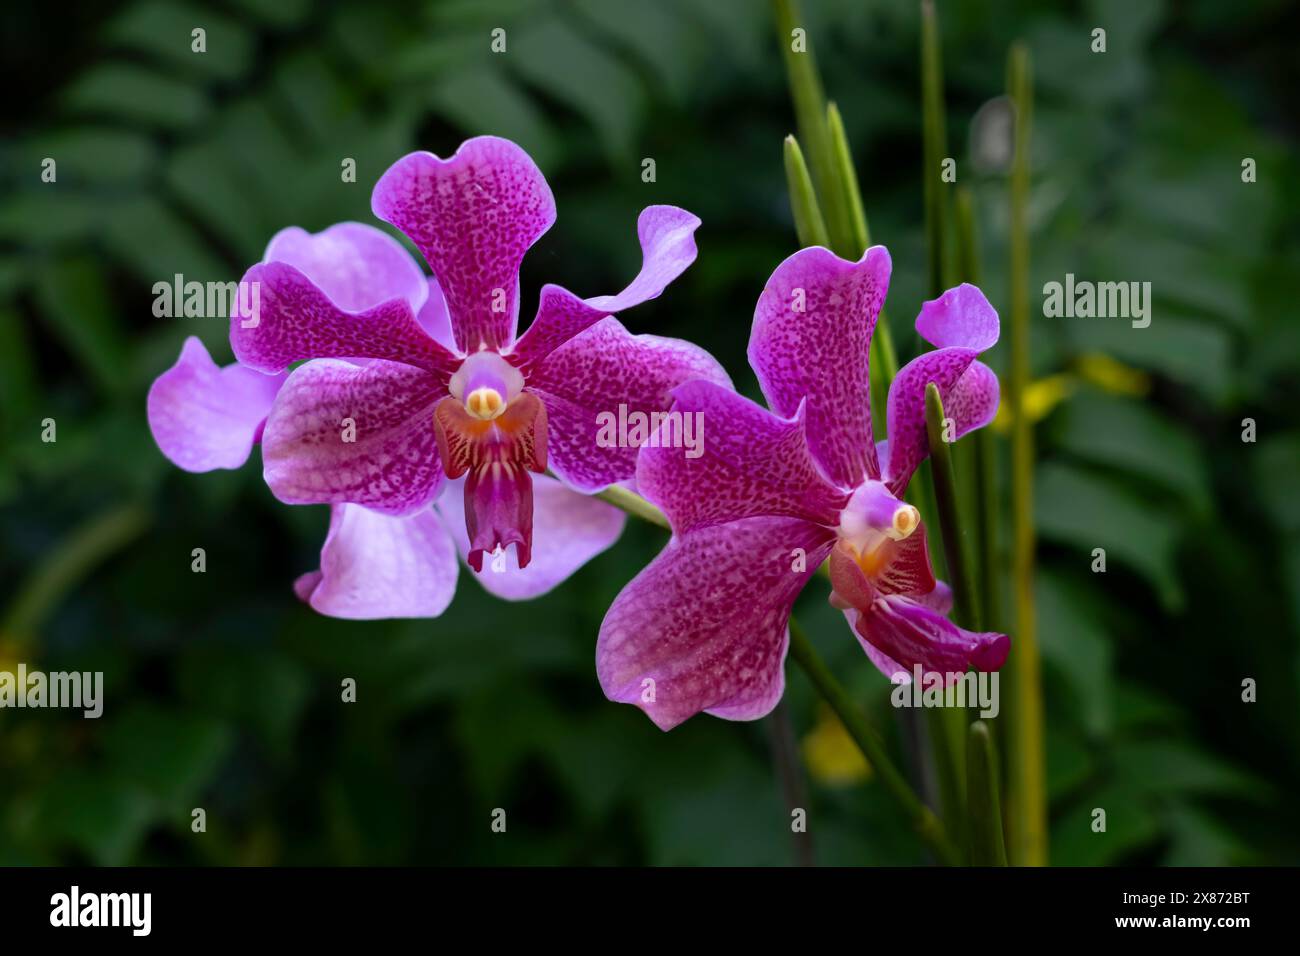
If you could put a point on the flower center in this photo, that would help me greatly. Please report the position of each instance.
(874, 516)
(485, 384)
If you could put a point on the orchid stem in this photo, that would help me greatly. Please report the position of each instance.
(1026, 789)
(634, 504)
(985, 821)
(945, 495)
(810, 115)
(934, 147)
(927, 825)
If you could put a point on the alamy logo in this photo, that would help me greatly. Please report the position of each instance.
(632, 429)
(956, 689)
(208, 300)
(75, 689)
(1102, 300)
(74, 908)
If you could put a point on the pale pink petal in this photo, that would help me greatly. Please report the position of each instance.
(473, 216)
(569, 529)
(289, 319)
(205, 417)
(704, 626)
(376, 566)
(357, 266)
(667, 237)
(810, 341)
(597, 372)
(390, 465)
(749, 462)
(433, 317)
(962, 317)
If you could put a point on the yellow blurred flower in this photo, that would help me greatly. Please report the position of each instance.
(832, 756)
(1091, 368)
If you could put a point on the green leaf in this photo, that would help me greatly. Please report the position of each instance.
(135, 94)
(161, 29)
(170, 755)
(75, 299)
(1087, 511)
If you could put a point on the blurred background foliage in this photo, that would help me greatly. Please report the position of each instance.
(223, 691)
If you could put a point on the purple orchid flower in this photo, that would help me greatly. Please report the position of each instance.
(704, 627)
(428, 375)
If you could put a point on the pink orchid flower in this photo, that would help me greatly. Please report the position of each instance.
(414, 381)
(704, 627)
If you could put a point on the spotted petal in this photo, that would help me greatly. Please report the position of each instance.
(810, 341)
(291, 319)
(590, 376)
(473, 216)
(749, 462)
(704, 626)
(340, 432)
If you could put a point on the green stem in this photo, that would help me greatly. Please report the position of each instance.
(883, 360)
(934, 147)
(634, 504)
(65, 565)
(810, 116)
(1026, 789)
(983, 490)
(809, 225)
(987, 847)
(945, 495)
(924, 821)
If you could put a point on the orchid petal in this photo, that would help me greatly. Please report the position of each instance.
(205, 417)
(704, 626)
(750, 462)
(908, 633)
(376, 566)
(340, 432)
(473, 216)
(810, 340)
(569, 529)
(962, 317)
(667, 237)
(597, 372)
(357, 266)
(292, 319)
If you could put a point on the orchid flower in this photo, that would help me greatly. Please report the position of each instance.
(704, 627)
(416, 381)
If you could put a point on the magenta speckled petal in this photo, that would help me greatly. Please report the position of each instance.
(294, 320)
(973, 402)
(704, 626)
(895, 671)
(908, 633)
(473, 216)
(667, 237)
(205, 417)
(569, 529)
(376, 566)
(560, 316)
(908, 442)
(391, 465)
(810, 340)
(751, 462)
(962, 317)
(599, 370)
(357, 266)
